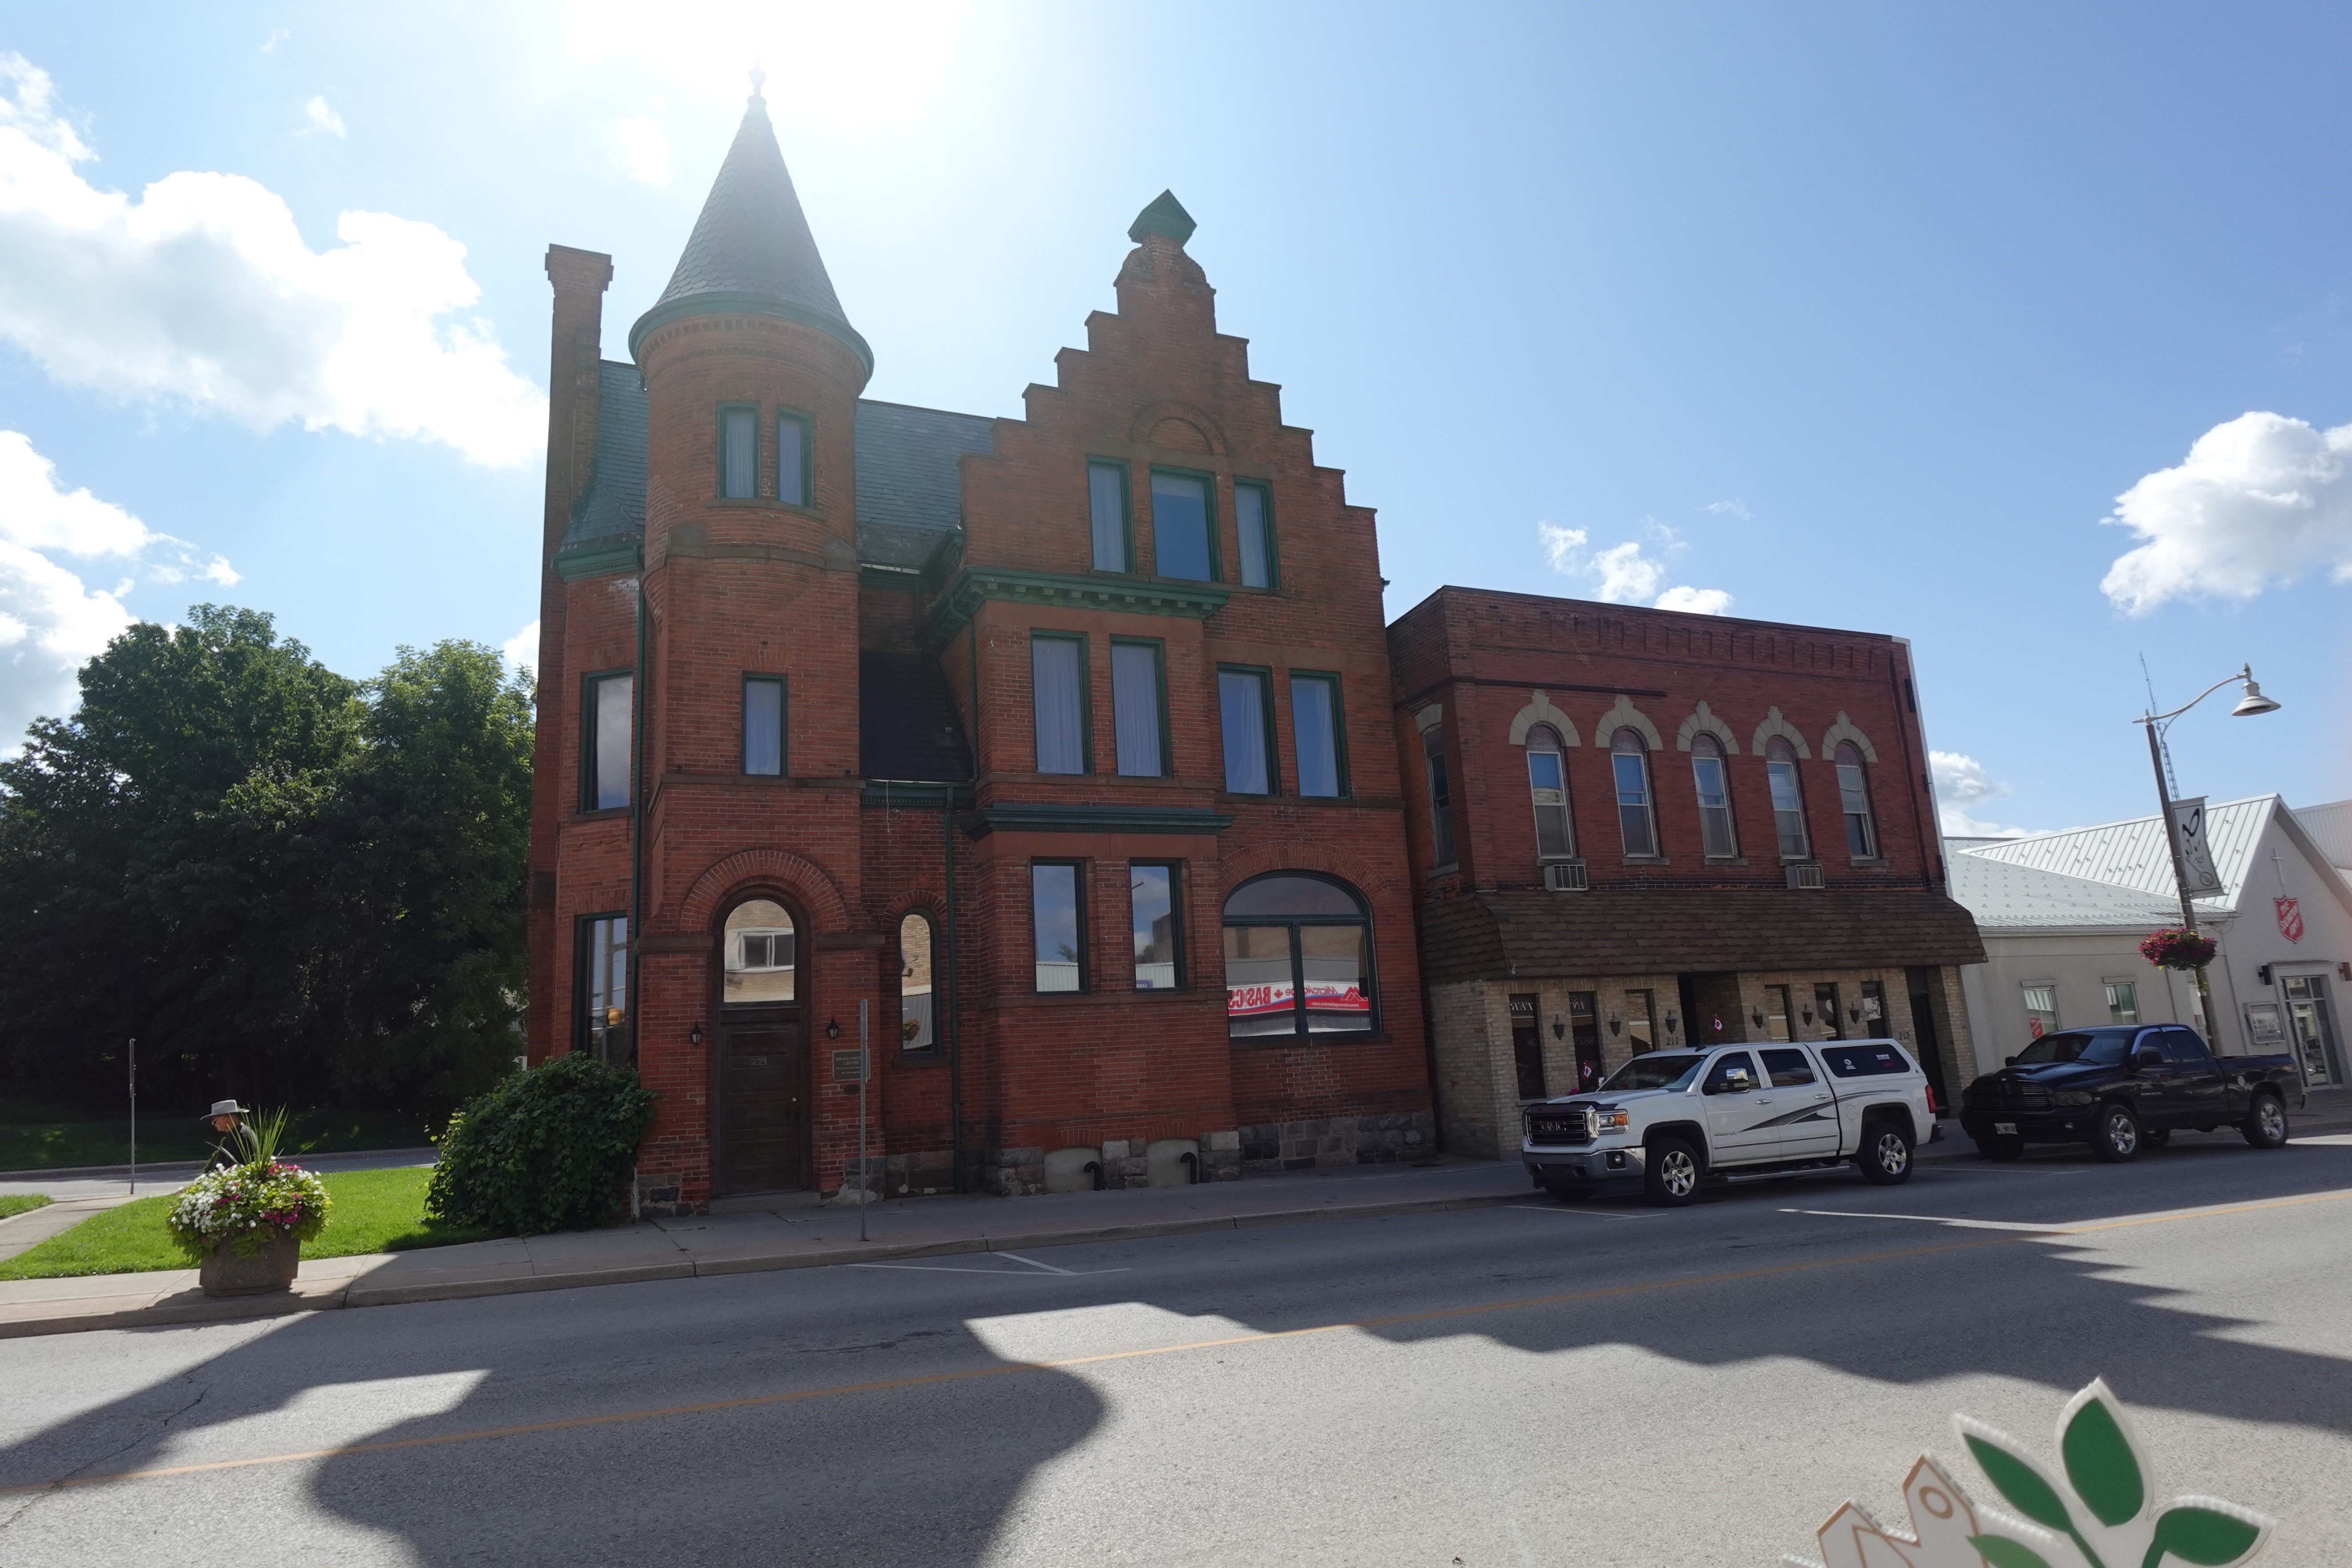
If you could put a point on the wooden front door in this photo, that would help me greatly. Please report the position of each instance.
(763, 1086)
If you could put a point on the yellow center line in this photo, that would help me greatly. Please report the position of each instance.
(1003, 1369)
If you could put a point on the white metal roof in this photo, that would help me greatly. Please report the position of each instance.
(2003, 895)
(2134, 854)
(2330, 827)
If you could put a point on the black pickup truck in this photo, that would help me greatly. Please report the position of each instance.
(2125, 1088)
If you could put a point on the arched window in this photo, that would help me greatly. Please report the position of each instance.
(915, 1032)
(1714, 796)
(1853, 799)
(1548, 787)
(759, 953)
(1630, 758)
(1788, 804)
(1298, 959)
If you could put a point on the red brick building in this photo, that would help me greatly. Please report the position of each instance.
(1635, 828)
(1058, 749)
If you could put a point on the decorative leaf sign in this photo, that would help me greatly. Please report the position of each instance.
(2099, 1515)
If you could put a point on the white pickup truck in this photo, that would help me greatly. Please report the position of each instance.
(1670, 1121)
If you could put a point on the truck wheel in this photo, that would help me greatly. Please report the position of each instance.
(2002, 1149)
(1671, 1180)
(1886, 1157)
(2265, 1128)
(2157, 1137)
(2118, 1137)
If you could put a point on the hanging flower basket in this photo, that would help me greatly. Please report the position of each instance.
(2177, 949)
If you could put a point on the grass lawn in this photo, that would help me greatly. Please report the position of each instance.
(38, 1138)
(375, 1211)
(21, 1201)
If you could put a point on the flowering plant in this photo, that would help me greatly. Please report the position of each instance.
(2177, 949)
(263, 1199)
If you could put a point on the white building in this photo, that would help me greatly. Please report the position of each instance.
(2062, 915)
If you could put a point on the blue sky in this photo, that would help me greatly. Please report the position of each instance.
(1848, 315)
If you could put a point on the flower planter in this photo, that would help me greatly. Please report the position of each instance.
(272, 1267)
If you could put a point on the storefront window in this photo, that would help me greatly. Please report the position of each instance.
(1297, 959)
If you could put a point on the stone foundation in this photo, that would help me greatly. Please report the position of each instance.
(1275, 1146)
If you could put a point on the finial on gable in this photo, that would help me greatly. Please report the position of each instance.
(1166, 215)
(759, 80)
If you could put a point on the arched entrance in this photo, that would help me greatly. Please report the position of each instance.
(760, 1074)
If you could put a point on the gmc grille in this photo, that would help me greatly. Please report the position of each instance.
(1559, 1127)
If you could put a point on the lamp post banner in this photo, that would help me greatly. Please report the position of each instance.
(2198, 878)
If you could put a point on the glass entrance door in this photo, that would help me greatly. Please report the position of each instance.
(2313, 1030)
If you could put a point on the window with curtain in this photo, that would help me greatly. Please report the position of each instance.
(1058, 668)
(759, 956)
(1714, 797)
(1153, 917)
(1057, 919)
(1628, 760)
(1241, 711)
(1136, 709)
(1297, 959)
(1314, 734)
(1254, 522)
(603, 953)
(1853, 801)
(1547, 789)
(764, 724)
(1107, 507)
(916, 1027)
(739, 453)
(604, 760)
(1441, 798)
(1180, 526)
(1788, 803)
(792, 459)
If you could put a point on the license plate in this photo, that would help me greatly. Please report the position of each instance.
(2005, 1129)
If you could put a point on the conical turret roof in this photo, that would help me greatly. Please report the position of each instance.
(751, 250)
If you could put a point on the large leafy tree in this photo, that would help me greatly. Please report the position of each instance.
(282, 884)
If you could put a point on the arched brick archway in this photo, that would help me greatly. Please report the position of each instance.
(1353, 870)
(803, 882)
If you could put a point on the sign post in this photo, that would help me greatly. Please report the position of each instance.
(134, 1117)
(865, 1073)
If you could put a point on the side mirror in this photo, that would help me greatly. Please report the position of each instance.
(2009, 1061)
(2146, 1057)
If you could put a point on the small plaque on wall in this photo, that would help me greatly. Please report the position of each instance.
(845, 1066)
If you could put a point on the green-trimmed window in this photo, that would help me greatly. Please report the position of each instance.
(602, 955)
(1298, 959)
(764, 724)
(739, 452)
(1107, 514)
(1057, 684)
(1441, 796)
(1156, 924)
(1247, 722)
(1254, 522)
(605, 742)
(1138, 708)
(1317, 734)
(1058, 918)
(793, 458)
(1183, 527)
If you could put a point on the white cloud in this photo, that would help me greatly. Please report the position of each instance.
(1734, 507)
(641, 150)
(1961, 782)
(276, 37)
(203, 290)
(522, 648)
(1624, 573)
(51, 623)
(2262, 500)
(322, 118)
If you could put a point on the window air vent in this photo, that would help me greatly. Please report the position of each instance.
(1566, 879)
(1805, 875)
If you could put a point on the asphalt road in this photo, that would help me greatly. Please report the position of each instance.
(1547, 1384)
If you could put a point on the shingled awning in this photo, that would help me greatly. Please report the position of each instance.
(1649, 931)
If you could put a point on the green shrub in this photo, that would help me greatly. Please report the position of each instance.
(547, 1150)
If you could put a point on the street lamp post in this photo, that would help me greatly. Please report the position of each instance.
(2253, 702)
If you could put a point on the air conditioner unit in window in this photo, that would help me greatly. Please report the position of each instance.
(1808, 876)
(1566, 879)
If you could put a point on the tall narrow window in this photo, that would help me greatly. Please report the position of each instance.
(2041, 1010)
(1254, 522)
(1714, 797)
(761, 959)
(1441, 798)
(1058, 686)
(1641, 1021)
(1547, 788)
(1107, 505)
(604, 963)
(1240, 710)
(792, 459)
(1180, 526)
(1315, 733)
(1874, 1021)
(916, 1019)
(1136, 710)
(2123, 1002)
(763, 723)
(739, 453)
(1775, 1012)
(1159, 947)
(605, 759)
(1056, 916)
(1853, 800)
(1788, 803)
(1629, 759)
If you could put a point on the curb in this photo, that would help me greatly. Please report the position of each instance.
(358, 1293)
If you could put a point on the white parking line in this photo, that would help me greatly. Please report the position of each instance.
(1936, 1219)
(1580, 1214)
(1042, 1270)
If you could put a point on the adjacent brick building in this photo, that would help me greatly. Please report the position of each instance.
(1635, 828)
(1057, 749)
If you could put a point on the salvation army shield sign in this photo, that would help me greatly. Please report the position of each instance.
(2290, 918)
